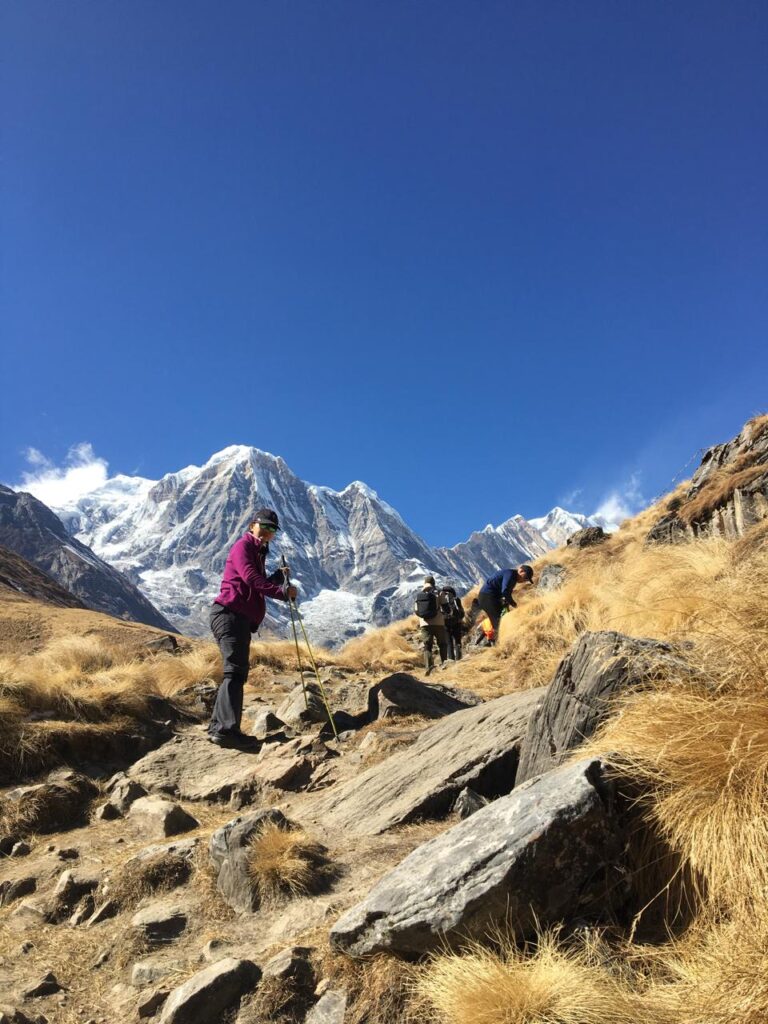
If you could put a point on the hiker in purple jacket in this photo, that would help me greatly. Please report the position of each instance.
(236, 613)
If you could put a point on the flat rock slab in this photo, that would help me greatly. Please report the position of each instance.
(548, 852)
(476, 747)
(597, 668)
(209, 993)
(192, 768)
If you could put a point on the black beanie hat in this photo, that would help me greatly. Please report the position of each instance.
(266, 516)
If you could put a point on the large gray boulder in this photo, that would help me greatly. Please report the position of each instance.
(596, 669)
(477, 747)
(549, 852)
(205, 997)
(403, 694)
(228, 851)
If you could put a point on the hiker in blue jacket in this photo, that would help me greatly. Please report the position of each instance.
(496, 593)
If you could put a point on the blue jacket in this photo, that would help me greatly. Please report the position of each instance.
(501, 584)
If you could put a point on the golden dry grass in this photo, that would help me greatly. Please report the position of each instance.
(382, 650)
(67, 701)
(555, 984)
(286, 863)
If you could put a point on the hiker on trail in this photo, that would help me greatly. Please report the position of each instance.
(236, 613)
(431, 623)
(496, 593)
(453, 617)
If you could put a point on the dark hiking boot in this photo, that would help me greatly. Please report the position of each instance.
(240, 740)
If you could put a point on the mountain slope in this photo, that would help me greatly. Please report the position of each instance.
(19, 576)
(30, 528)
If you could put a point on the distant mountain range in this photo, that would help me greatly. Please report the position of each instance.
(356, 561)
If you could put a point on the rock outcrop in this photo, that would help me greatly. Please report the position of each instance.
(403, 694)
(551, 851)
(550, 578)
(587, 538)
(476, 747)
(595, 670)
(191, 768)
(728, 493)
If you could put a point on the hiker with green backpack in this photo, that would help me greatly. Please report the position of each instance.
(431, 624)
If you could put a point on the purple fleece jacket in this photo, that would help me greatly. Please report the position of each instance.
(245, 583)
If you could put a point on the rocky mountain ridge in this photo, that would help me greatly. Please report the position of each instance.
(356, 561)
(30, 529)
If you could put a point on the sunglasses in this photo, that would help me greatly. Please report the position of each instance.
(268, 527)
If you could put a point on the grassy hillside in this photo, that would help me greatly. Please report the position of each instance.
(695, 742)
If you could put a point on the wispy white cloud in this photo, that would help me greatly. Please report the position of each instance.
(569, 500)
(622, 502)
(61, 486)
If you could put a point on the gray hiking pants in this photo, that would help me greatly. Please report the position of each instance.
(233, 635)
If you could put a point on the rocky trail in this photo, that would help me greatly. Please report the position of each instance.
(199, 884)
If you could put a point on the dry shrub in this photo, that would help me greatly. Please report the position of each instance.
(287, 862)
(383, 650)
(717, 975)
(144, 877)
(556, 984)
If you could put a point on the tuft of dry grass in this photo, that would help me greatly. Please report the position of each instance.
(287, 863)
(380, 988)
(145, 877)
(554, 984)
(382, 650)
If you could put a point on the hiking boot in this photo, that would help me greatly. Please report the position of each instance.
(237, 739)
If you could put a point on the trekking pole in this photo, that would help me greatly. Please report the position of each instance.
(317, 673)
(295, 612)
(295, 634)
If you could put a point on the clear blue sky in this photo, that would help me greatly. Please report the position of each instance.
(485, 256)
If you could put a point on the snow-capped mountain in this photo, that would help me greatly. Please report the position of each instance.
(355, 560)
